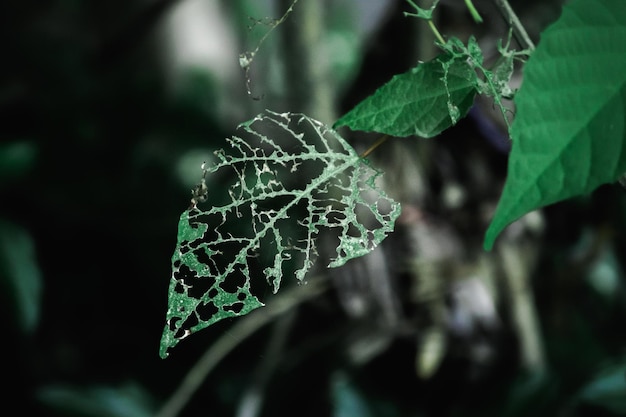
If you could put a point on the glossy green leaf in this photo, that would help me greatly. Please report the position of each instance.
(424, 101)
(569, 131)
(291, 178)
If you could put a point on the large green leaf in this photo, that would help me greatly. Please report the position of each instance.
(569, 131)
(290, 179)
(423, 101)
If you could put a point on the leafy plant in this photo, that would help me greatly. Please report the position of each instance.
(567, 136)
(569, 132)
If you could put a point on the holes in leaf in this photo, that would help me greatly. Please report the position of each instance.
(234, 281)
(179, 288)
(201, 286)
(184, 329)
(353, 231)
(365, 217)
(266, 177)
(202, 256)
(332, 192)
(296, 174)
(184, 275)
(206, 311)
(266, 206)
(235, 308)
(335, 217)
(213, 221)
(190, 322)
(172, 323)
(184, 247)
(248, 239)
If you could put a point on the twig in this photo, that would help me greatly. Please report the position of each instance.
(246, 58)
(243, 329)
(518, 29)
(376, 144)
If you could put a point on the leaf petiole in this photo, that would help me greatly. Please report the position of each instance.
(473, 11)
(436, 32)
(375, 145)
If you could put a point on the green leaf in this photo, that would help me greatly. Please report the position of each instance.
(569, 132)
(424, 101)
(291, 179)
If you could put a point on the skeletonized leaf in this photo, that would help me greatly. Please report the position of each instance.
(291, 179)
(569, 133)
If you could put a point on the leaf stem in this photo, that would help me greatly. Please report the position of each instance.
(436, 32)
(475, 15)
(518, 29)
(376, 144)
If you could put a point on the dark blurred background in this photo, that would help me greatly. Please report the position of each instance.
(108, 109)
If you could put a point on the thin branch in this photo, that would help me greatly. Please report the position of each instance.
(432, 26)
(376, 144)
(246, 58)
(240, 331)
(518, 29)
(472, 9)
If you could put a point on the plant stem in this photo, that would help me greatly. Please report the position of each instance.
(473, 11)
(246, 58)
(376, 144)
(436, 32)
(518, 29)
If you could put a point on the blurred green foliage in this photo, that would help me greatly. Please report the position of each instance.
(92, 140)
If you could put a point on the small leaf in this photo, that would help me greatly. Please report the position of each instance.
(424, 101)
(291, 179)
(569, 132)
